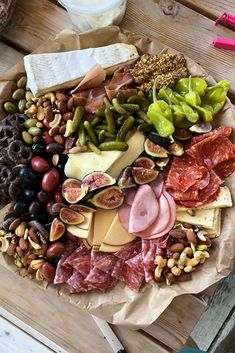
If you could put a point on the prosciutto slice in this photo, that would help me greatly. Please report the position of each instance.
(95, 76)
(120, 82)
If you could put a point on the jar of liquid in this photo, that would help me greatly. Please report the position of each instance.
(90, 14)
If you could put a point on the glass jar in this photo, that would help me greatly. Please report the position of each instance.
(91, 14)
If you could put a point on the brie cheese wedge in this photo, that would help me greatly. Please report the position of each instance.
(52, 71)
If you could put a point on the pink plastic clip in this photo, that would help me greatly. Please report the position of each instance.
(224, 43)
(226, 18)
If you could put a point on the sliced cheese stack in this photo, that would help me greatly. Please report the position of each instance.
(52, 71)
(207, 216)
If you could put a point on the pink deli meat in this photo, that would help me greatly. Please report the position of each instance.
(124, 215)
(95, 76)
(157, 186)
(130, 196)
(142, 215)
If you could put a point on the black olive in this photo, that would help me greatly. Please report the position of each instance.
(48, 226)
(30, 194)
(55, 261)
(41, 217)
(44, 196)
(60, 168)
(159, 140)
(20, 207)
(38, 149)
(34, 207)
(8, 215)
(28, 176)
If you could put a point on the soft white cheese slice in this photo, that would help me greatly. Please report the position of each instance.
(203, 218)
(224, 199)
(81, 164)
(51, 71)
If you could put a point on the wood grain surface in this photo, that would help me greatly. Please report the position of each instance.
(8, 57)
(210, 8)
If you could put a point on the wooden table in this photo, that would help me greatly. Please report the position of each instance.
(187, 26)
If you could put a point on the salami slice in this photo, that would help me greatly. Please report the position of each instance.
(136, 264)
(127, 275)
(129, 251)
(188, 195)
(107, 263)
(100, 280)
(82, 264)
(76, 281)
(222, 131)
(224, 169)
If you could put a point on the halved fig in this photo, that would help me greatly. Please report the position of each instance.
(182, 134)
(97, 180)
(57, 229)
(72, 190)
(69, 216)
(155, 150)
(176, 148)
(143, 175)
(82, 208)
(109, 198)
(162, 162)
(144, 162)
(201, 128)
(159, 140)
(125, 180)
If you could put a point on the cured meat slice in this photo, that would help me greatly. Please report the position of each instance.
(127, 275)
(136, 264)
(107, 263)
(95, 76)
(124, 215)
(148, 262)
(224, 169)
(119, 83)
(76, 281)
(184, 196)
(129, 251)
(157, 186)
(82, 264)
(142, 215)
(222, 131)
(100, 280)
(82, 250)
(96, 256)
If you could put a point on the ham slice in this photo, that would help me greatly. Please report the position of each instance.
(157, 186)
(124, 215)
(144, 209)
(95, 76)
(130, 196)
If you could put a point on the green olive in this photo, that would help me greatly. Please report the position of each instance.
(28, 104)
(28, 95)
(18, 94)
(10, 107)
(22, 105)
(35, 131)
(27, 137)
(21, 83)
(31, 122)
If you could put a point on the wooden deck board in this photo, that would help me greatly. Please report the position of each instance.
(8, 57)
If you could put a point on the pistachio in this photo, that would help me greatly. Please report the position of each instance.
(36, 264)
(18, 94)
(21, 83)
(201, 247)
(18, 263)
(33, 244)
(4, 244)
(19, 231)
(22, 105)
(10, 107)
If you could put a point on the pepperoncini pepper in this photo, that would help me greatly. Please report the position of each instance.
(215, 96)
(167, 94)
(198, 85)
(160, 115)
(192, 97)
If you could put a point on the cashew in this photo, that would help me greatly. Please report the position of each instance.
(160, 261)
(158, 272)
(36, 264)
(171, 263)
(31, 111)
(188, 251)
(182, 260)
(56, 121)
(176, 271)
(198, 255)
(192, 262)
(189, 269)
(39, 275)
(34, 245)
(201, 235)
(40, 113)
(50, 96)
(193, 247)
(4, 244)
(68, 128)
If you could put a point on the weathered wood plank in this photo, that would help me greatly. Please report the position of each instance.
(182, 29)
(219, 308)
(174, 326)
(34, 22)
(68, 326)
(225, 340)
(212, 8)
(8, 57)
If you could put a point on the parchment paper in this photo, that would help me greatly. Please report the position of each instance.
(121, 305)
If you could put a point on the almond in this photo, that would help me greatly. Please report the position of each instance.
(178, 247)
(191, 236)
(15, 224)
(177, 233)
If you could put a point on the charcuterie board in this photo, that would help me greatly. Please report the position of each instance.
(108, 305)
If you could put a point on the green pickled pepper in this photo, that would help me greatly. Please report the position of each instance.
(190, 113)
(192, 97)
(198, 85)
(216, 96)
(167, 94)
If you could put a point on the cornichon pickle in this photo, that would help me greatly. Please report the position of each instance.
(110, 121)
(141, 101)
(107, 103)
(113, 145)
(101, 136)
(100, 112)
(91, 133)
(97, 120)
(130, 107)
(145, 127)
(125, 127)
(102, 127)
(82, 135)
(120, 97)
(93, 147)
(118, 106)
(143, 116)
(78, 115)
(10, 107)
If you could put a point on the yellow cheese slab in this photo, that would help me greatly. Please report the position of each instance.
(81, 164)
(117, 235)
(110, 248)
(78, 232)
(224, 199)
(216, 230)
(203, 218)
(88, 217)
(102, 221)
(136, 147)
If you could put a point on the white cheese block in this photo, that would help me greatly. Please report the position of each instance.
(51, 71)
(117, 235)
(110, 248)
(203, 218)
(224, 199)
(136, 147)
(81, 164)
